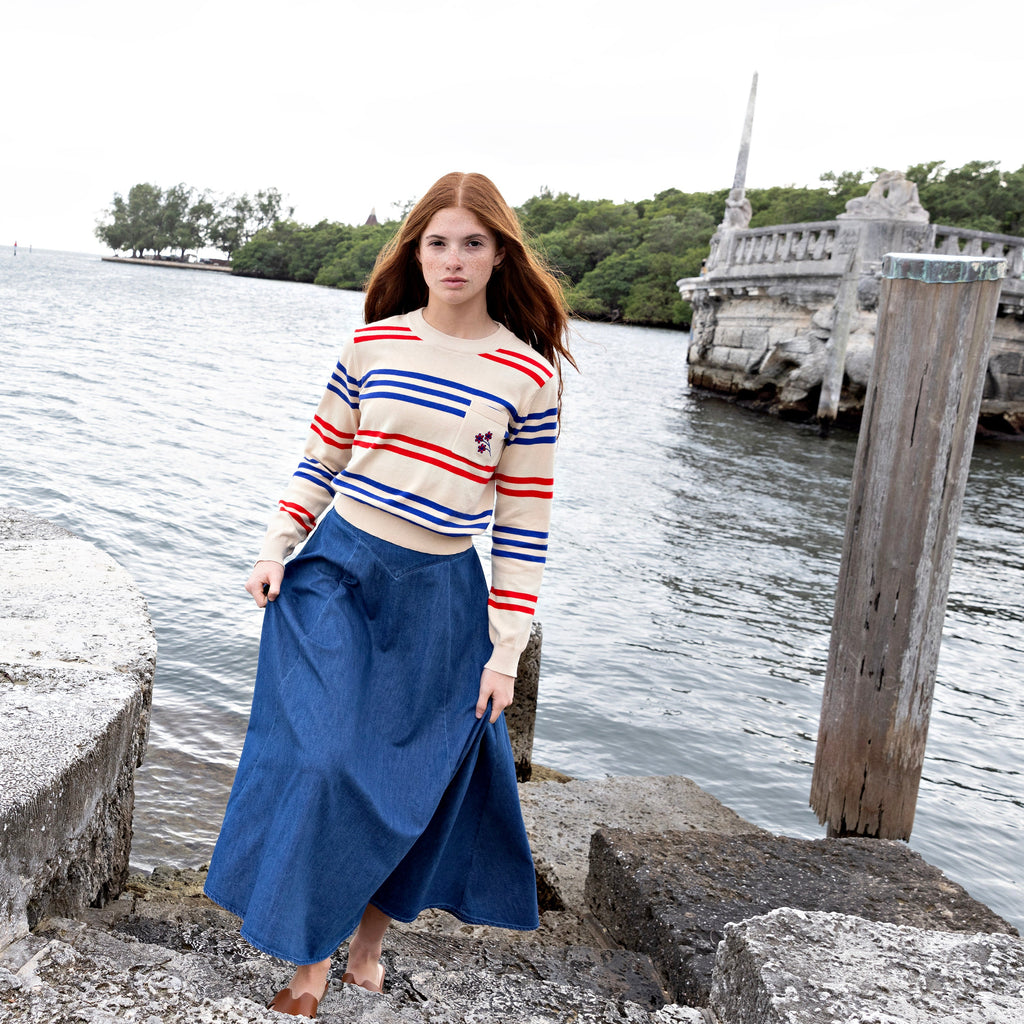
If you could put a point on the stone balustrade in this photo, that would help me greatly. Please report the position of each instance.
(782, 243)
(949, 241)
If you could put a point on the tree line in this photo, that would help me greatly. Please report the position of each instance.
(183, 219)
(620, 261)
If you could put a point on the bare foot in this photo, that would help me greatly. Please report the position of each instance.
(311, 978)
(365, 969)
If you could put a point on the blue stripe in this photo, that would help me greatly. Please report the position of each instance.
(312, 479)
(472, 518)
(341, 394)
(533, 440)
(519, 544)
(519, 532)
(414, 387)
(516, 554)
(368, 498)
(445, 382)
(412, 400)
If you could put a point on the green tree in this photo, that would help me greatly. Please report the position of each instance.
(353, 260)
(144, 219)
(116, 234)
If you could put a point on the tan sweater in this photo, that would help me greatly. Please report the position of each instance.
(426, 440)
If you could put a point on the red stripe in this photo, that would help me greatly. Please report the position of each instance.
(372, 328)
(514, 593)
(333, 429)
(301, 516)
(327, 440)
(526, 359)
(515, 366)
(425, 458)
(524, 479)
(385, 337)
(525, 494)
(426, 444)
(511, 607)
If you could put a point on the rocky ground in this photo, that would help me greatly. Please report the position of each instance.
(656, 865)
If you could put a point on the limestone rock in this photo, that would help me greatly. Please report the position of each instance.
(791, 967)
(671, 894)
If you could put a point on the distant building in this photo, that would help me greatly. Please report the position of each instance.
(371, 221)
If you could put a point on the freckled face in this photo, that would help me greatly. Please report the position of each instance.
(458, 254)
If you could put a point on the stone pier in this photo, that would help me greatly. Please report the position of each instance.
(784, 316)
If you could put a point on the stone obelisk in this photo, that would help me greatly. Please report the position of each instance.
(737, 206)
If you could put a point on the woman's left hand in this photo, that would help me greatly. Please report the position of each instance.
(496, 688)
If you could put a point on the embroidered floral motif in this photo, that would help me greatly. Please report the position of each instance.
(483, 442)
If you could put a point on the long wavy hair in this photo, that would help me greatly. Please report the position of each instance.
(523, 293)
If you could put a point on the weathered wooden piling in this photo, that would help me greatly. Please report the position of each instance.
(935, 323)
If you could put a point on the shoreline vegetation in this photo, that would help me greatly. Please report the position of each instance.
(224, 266)
(618, 261)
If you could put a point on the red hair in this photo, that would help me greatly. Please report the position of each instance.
(523, 293)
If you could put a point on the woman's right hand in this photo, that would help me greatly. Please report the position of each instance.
(265, 582)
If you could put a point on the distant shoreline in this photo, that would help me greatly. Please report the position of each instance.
(166, 263)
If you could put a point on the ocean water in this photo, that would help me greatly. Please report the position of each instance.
(688, 598)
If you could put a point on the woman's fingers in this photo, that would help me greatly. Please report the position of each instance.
(264, 583)
(496, 688)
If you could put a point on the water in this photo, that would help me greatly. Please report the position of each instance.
(688, 599)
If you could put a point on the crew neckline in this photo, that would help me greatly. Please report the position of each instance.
(423, 329)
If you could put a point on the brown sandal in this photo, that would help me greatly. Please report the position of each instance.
(348, 978)
(305, 1005)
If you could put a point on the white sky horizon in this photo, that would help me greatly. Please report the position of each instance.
(348, 110)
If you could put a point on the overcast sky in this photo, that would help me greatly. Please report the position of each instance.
(345, 106)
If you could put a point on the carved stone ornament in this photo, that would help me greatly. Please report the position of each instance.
(891, 197)
(737, 210)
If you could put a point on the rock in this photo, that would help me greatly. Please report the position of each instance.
(77, 658)
(521, 715)
(791, 967)
(69, 971)
(561, 818)
(671, 895)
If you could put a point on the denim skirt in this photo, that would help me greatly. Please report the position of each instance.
(365, 776)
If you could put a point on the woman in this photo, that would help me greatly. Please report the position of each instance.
(377, 777)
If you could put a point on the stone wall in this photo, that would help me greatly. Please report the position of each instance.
(77, 658)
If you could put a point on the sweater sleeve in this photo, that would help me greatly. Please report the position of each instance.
(327, 452)
(524, 482)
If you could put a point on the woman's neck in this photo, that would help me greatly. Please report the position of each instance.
(470, 321)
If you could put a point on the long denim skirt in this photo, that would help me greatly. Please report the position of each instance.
(365, 776)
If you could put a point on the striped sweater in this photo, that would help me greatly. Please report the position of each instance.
(426, 440)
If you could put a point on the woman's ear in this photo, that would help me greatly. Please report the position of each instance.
(499, 257)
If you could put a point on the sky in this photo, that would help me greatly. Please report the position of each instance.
(350, 106)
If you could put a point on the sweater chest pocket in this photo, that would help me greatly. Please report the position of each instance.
(482, 434)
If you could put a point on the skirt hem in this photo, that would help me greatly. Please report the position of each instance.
(463, 917)
(455, 912)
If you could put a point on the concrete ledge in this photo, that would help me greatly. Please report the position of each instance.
(561, 818)
(670, 895)
(790, 967)
(77, 658)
